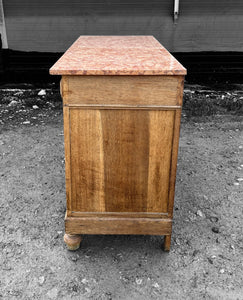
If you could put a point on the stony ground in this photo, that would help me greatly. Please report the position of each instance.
(206, 257)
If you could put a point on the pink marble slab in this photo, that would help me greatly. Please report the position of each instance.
(117, 55)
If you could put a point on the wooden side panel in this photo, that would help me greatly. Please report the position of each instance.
(87, 162)
(120, 160)
(121, 90)
(126, 148)
(160, 143)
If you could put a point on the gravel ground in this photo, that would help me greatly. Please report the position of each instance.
(206, 257)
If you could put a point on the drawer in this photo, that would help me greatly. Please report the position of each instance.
(131, 91)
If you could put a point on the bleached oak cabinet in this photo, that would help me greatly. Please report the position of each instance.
(122, 99)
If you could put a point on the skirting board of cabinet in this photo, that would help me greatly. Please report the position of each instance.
(116, 225)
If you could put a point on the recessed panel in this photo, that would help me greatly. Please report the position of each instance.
(120, 160)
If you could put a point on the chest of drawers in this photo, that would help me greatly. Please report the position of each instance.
(122, 99)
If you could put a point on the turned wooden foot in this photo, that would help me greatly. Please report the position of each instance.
(167, 242)
(72, 241)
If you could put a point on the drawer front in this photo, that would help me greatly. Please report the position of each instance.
(122, 91)
(119, 160)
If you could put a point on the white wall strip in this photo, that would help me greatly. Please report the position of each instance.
(176, 9)
(3, 27)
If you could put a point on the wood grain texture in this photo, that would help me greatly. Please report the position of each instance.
(167, 242)
(174, 155)
(72, 241)
(95, 225)
(180, 89)
(173, 167)
(67, 158)
(120, 160)
(121, 153)
(119, 214)
(126, 136)
(87, 162)
(64, 86)
(160, 143)
(122, 106)
(121, 90)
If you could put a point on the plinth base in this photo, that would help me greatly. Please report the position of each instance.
(75, 226)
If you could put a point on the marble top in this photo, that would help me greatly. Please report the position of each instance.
(117, 55)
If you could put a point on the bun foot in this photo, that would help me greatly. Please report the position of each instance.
(167, 241)
(72, 241)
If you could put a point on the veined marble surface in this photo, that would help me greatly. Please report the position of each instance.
(117, 55)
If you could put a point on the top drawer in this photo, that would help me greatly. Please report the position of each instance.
(122, 91)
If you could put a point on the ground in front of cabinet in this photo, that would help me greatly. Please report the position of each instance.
(205, 261)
